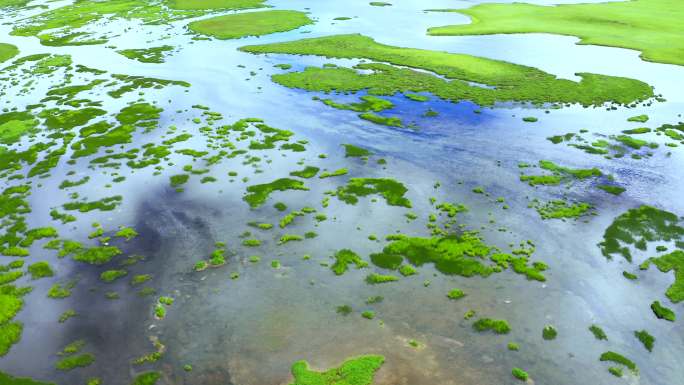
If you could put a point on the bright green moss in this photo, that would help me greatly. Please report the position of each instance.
(328, 174)
(104, 204)
(147, 55)
(456, 294)
(673, 261)
(40, 270)
(97, 255)
(465, 255)
(510, 82)
(385, 121)
(258, 194)
(636, 227)
(375, 278)
(638, 118)
(76, 361)
(10, 333)
(368, 103)
(354, 371)
(598, 333)
(390, 189)
(530, 119)
(345, 257)
(251, 242)
(178, 180)
(663, 312)
(72, 348)
(14, 125)
(67, 183)
(629, 275)
(289, 238)
(497, 326)
(368, 314)
(615, 190)
(549, 332)
(146, 378)
(512, 346)
(637, 131)
(239, 25)
(646, 339)
(69, 313)
(407, 270)
(7, 51)
(126, 232)
(558, 209)
(10, 276)
(307, 172)
(352, 151)
(619, 359)
(58, 291)
(112, 275)
(520, 374)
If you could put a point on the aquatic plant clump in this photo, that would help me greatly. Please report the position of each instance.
(636, 228)
(258, 194)
(620, 359)
(510, 82)
(354, 371)
(673, 261)
(390, 189)
(465, 255)
(344, 258)
(497, 326)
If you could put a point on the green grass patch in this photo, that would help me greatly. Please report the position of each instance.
(239, 25)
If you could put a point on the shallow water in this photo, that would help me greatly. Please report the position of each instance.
(250, 330)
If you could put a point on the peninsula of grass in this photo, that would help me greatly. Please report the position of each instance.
(258, 194)
(624, 24)
(7, 51)
(354, 371)
(507, 81)
(239, 25)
